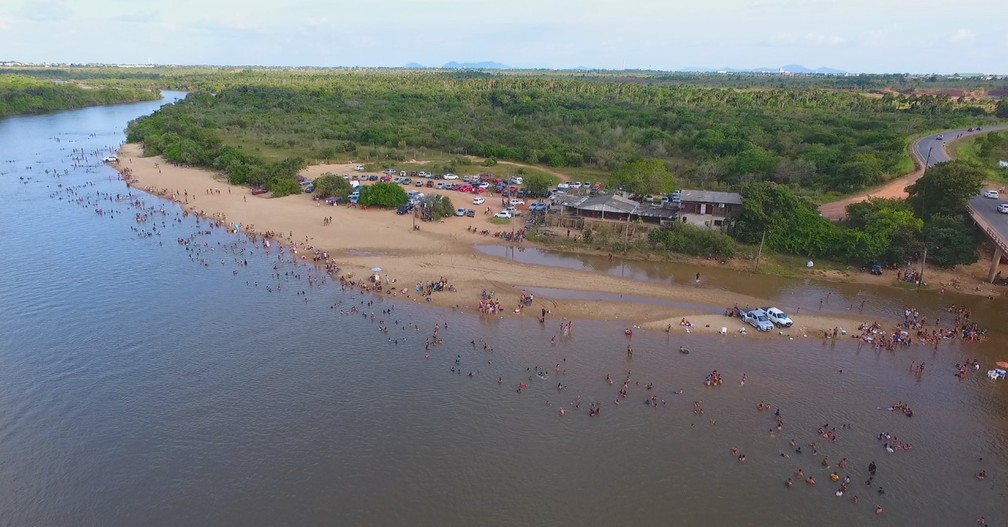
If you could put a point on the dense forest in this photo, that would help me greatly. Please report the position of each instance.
(21, 94)
(813, 139)
(783, 142)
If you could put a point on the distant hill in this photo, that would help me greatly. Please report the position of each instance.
(486, 65)
(790, 68)
(414, 66)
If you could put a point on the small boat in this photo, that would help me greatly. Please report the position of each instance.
(684, 350)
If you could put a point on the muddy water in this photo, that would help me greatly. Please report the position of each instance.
(879, 299)
(145, 381)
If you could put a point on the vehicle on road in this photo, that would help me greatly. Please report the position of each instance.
(992, 194)
(503, 214)
(758, 319)
(778, 317)
(940, 138)
(478, 201)
(1003, 208)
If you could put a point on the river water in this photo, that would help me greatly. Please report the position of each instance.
(148, 381)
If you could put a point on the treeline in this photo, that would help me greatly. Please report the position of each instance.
(20, 94)
(890, 231)
(810, 139)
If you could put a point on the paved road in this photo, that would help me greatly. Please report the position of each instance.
(924, 146)
(920, 149)
(993, 223)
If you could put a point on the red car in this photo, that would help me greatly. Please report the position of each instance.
(259, 190)
(386, 178)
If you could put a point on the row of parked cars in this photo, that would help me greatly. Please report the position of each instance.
(764, 319)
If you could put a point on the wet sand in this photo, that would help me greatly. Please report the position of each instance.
(359, 239)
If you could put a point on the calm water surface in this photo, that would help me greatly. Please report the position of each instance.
(144, 381)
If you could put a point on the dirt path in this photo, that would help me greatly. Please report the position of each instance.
(837, 210)
(550, 171)
(896, 188)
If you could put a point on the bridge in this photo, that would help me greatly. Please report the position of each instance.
(995, 224)
(930, 150)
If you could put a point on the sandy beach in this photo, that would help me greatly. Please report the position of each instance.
(359, 239)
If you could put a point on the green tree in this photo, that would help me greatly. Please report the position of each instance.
(381, 194)
(951, 240)
(284, 186)
(1001, 110)
(537, 184)
(647, 176)
(792, 224)
(944, 189)
(329, 184)
(889, 230)
(437, 207)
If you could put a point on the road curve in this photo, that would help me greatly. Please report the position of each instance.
(928, 149)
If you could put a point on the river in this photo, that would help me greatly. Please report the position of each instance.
(148, 376)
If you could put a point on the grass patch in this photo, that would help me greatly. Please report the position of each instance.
(500, 221)
(967, 149)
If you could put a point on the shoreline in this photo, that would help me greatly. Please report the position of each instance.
(358, 239)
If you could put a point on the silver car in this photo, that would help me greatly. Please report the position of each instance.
(758, 319)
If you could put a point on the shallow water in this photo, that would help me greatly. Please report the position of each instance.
(144, 383)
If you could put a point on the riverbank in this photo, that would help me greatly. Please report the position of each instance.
(359, 239)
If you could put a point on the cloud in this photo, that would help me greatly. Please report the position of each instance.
(803, 39)
(45, 11)
(138, 17)
(963, 35)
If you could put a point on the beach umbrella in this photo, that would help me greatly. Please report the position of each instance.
(376, 269)
(1002, 364)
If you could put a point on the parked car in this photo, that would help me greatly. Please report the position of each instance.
(332, 200)
(538, 206)
(470, 213)
(259, 190)
(992, 194)
(359, 168)
(514, 202)
(778, 317)
(758, 319)
(503, 214)
(450, 177)
(478, 201)
(404, 208)
(460, 212)
(1003, 208)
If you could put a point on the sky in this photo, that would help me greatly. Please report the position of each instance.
(869, 36)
